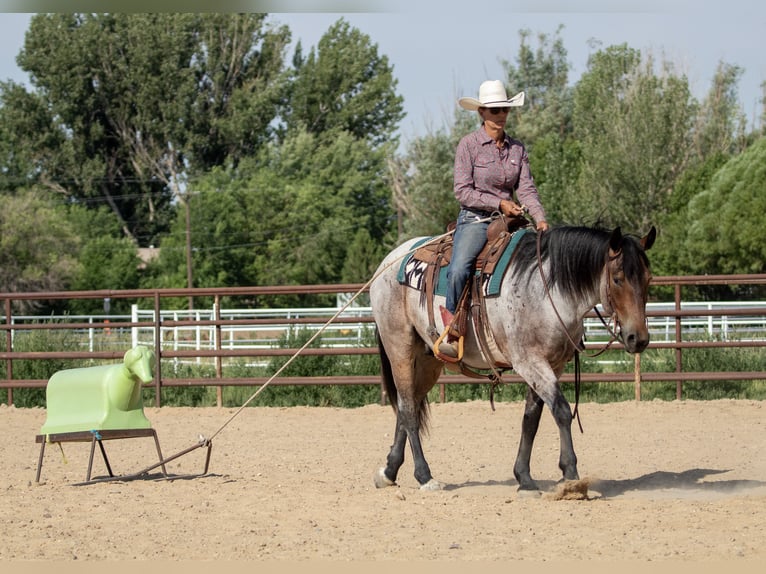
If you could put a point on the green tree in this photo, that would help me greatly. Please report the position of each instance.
(327, 200)
(544, 124)
(762, 120)
(633, 129)
(669, 256)
(107, 259)
(140, 103)
(362, 258)
(426, 197)
(278, 219)
(720, 126)
(725, 231)
(29, 139)
(39, 252)
(345, 85)
(543, 75)
(422, 180)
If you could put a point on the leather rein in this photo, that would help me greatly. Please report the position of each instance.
(578, 346)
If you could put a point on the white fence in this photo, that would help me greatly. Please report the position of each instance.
(255, 336)
(662, 328)
(740, 327)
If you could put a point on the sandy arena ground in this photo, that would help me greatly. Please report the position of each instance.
(679, 481)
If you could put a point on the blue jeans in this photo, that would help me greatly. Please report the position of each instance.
(467, 242)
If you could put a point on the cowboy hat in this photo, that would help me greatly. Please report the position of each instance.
(491, 95)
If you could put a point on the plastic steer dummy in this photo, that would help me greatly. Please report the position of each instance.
(99, 398)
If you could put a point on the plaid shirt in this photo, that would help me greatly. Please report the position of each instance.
(485, 174)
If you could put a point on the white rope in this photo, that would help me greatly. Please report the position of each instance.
(327, 324)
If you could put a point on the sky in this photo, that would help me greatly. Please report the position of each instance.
(443, 49)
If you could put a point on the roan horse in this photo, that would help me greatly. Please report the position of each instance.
(534, 326)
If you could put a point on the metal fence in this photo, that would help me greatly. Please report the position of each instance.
(215, 335)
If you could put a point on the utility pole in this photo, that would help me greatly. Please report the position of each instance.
(189, 281)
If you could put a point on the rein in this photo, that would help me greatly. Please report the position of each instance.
(577, 346)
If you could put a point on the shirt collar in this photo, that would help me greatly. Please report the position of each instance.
(485, 138)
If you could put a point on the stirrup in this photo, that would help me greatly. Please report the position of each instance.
(441, 356)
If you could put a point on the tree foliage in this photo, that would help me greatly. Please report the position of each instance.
(290, 175)
(720, 126)
(138, 103)
(279, 220)
(345, 85)
(543, 75)
(425, 196)
(633, 128)
(31, 260)
(725, 231)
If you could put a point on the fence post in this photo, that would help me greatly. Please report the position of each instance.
(637, 376)
(218, 362)
(157, 351)
(134, 320)
(9, 348)
(679, 369)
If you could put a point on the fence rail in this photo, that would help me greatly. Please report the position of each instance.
(217, 335)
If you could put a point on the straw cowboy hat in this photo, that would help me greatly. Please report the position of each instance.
(491, 95)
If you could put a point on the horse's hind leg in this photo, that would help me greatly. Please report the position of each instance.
(414, 378)
(533, 409)
(386, 476)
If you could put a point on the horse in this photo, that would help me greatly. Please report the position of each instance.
(554, 278)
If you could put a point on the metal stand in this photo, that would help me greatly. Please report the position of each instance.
(94, 437)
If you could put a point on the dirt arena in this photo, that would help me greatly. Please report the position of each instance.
(678, 481)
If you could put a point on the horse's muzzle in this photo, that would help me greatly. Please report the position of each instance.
(635, 341)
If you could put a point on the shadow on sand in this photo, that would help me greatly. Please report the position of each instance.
(691, 481)
(687, 480)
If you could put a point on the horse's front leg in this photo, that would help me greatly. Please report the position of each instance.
(562, 414)
(530, 423)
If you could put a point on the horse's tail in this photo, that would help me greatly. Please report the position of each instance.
(393, 394)
(387, 374)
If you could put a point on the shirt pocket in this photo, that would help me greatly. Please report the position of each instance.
(484, 163)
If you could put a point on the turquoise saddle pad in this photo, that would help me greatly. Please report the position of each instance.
(412, 271)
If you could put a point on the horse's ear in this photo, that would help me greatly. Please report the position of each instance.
(615, 241)
(648, 240)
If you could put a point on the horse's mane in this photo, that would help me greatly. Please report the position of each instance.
(577, 256)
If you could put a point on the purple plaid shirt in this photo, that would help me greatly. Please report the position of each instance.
(485, 174)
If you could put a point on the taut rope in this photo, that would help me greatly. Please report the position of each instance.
(208, 441)
(319, 332)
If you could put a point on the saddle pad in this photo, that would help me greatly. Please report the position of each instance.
(412, 271)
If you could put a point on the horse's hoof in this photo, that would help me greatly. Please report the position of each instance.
(432, 484)
(381, 480)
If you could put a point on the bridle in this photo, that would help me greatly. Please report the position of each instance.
(578, 347)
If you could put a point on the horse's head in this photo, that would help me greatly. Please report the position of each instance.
(139, 361)
(625, 285)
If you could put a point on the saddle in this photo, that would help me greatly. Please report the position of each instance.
(438, 254)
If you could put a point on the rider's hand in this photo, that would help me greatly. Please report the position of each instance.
(542, 226)
(510, 208)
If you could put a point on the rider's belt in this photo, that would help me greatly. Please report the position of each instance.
(479, 213)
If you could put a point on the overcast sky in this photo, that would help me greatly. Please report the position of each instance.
(443, 49)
